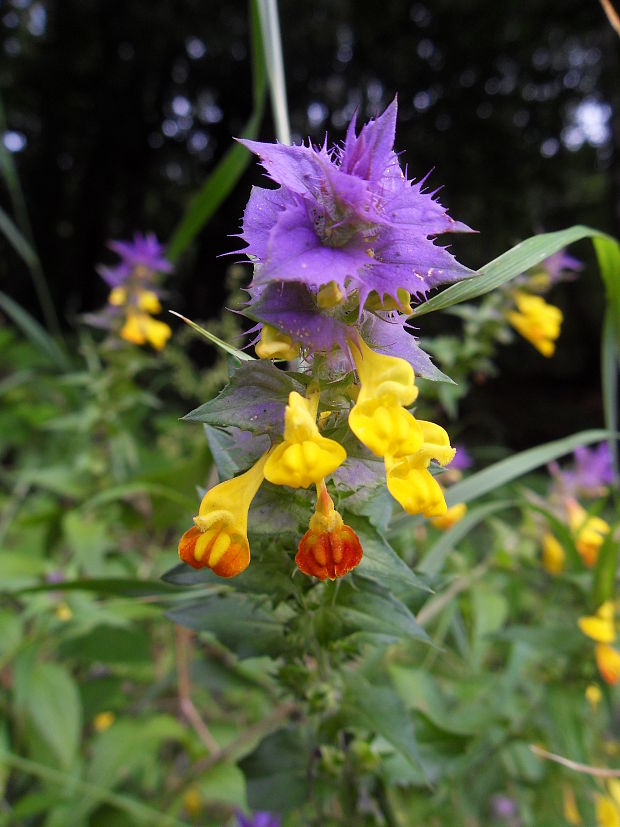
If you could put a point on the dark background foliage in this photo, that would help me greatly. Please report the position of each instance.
(117, 111)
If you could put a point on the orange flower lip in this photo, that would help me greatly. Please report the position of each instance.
(329, 554)
(200, 550)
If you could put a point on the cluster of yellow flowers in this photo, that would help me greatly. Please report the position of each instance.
(380, 420)
(536, 320)
(140, 305)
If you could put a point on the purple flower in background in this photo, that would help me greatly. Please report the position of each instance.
(144, 252)
(559, 264)
(259, 819)
(591, 474)
(462, 459)
(503, 806)
(347, 215)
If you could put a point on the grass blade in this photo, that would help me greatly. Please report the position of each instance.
(215, 340)
(33, 330)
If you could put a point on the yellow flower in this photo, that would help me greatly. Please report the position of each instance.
(192, 801)
(452, 516)
(401, 303)
(553, 555)
(274, 344)
(330, 295)
(118, 296)
(593, 695)
(219, 540)
(63, 612)
(608, 806)
(537, 321)
(103, 721)
(589, 532)
(608, 662)
(379, 419)
(600, 627)
(571, 813)
(305, 457)
(147, 300)
(410, 482)
(140, 328)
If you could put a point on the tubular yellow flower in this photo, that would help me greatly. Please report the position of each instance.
(553, 554)
(589, 532)
(452, 516)
(140, 328)
(305, 457)
(401, 303)
(329, 548)
(378, 418)
(118, 296)
(537, 321)
(410, 482)
(608, 662)
(219, 540)
(274, 344)
(600, 627)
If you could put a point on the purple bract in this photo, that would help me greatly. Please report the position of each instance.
(591, 474)
(347, 214)
(144, 251)
(259, 819)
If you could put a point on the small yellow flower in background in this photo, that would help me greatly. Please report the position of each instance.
(103, 721)
(553, 554)
(219, 540)
(608, 806)
(63, 612)
(452, 516)
(274, 344)
(537, 321)
(192, 801)
(589, 532)
(608, 662)
(410, 482)
(600, 627)
(305, 457)
(593, 696)
(571, 812)
(141, 328)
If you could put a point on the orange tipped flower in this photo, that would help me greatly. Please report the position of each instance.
(219, 539)
(329, 548)
(608, 662)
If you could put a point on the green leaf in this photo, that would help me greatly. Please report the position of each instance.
(119, 587)
(380, 710)
(364, 606)
(380, 562)
(33, 330)
(17, 240)
(254, 400)
(236, 621)
(127, 490)
(277, 772)
(604, 583)
(516, 466)
(229, 170)
(510, 264)
(609, 380)
(240, 355)
(433, 560)
(51, 700)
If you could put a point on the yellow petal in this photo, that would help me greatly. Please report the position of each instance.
(553, 554)
(597, 629)
(387, 379)
(607, 813)
(537, 321)
(452, 516)
(385, 429)
(274, 344)
(147, 300)
(608, 662)
(414, 488)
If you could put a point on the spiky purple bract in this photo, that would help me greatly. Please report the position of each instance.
(347, 214)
